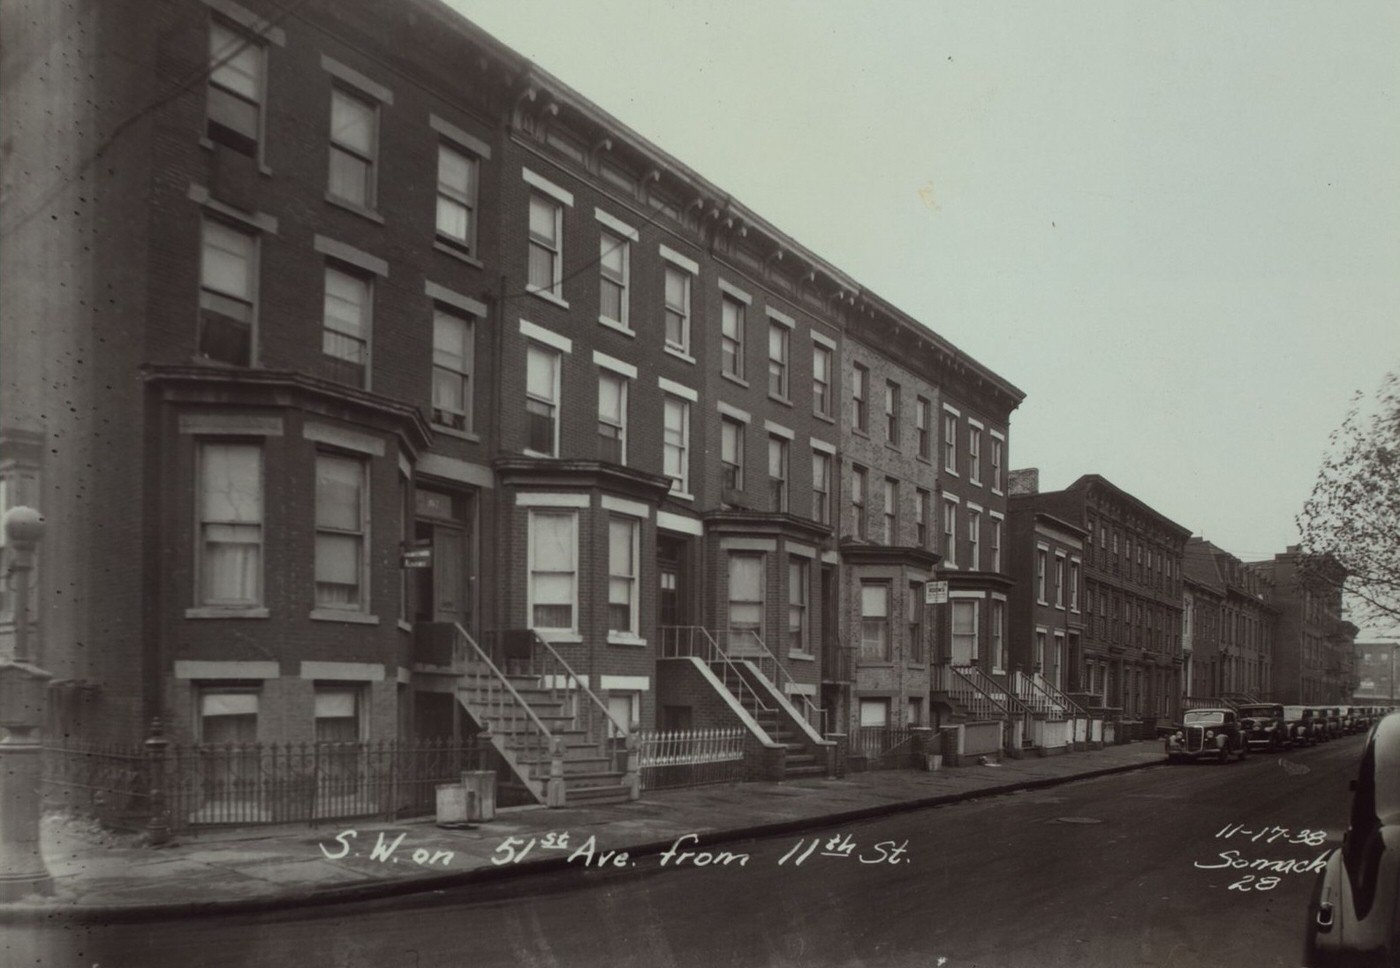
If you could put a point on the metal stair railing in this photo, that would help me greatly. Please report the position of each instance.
(686, 641)
(814, 714)
(1031, 692)
(1000, 693)
(1040, 703)
(1072, 708)
(593, 717)
(964, 691)
(504, 711)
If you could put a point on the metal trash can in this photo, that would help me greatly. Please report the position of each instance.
(451, 803)
(480, 791)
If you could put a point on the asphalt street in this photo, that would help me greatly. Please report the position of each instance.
(1187, 865)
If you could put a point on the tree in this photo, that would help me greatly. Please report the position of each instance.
(1353, 515)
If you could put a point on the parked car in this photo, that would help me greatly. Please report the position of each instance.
(1354, 916)
(1350, 720)
(1322, 723)
(1207, 733)
(1264, 726)
(1302, 725)
(1334, 721)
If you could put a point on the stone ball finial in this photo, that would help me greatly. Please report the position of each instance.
(23, 525)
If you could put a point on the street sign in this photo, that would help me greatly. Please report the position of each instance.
(416, 554)
(935, 593)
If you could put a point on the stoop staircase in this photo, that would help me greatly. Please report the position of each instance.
(974, 696)
(744, 671)
(557, 739)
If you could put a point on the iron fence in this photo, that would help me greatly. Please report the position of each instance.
(109, 783)
(885, 747)
(689, 757)
(255, 783)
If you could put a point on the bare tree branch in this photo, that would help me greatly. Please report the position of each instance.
(1352, 517)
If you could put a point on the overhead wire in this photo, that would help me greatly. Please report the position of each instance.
(197, 77)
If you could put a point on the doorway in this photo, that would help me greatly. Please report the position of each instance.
(673, 600)
(443, 590)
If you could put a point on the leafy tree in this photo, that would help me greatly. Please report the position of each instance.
(1353, 515)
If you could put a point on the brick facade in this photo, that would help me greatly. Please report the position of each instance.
(234, 299)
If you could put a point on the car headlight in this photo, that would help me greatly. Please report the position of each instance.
(1210, 734)
(1180, 734)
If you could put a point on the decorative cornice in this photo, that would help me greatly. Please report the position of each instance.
(512, 471)
(859, 553)
(735, 521)
(235, 386)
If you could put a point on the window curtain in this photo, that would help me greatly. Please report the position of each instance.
(553, 569)
(231, 511)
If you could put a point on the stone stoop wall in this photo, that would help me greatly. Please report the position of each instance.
(763, 763)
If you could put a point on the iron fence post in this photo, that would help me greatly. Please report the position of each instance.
(157, 746)
(554, 788)
(631, 777)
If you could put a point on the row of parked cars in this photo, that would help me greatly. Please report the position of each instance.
(1230, 729)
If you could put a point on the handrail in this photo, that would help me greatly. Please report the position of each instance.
(1038, 697)
(810, 706)
(671, 644)
(951, 679)
(995, 690)
(498, 680)
(1054, 692)
(573, 678)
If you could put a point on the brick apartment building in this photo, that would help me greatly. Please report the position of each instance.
(1202, 601)
(1047, 607)
(1314, 646)
(923, 467)
(345, 350)
(1132, 655)
(1377, 682)
(1236, 654)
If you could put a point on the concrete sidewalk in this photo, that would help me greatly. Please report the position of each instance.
(103, 875)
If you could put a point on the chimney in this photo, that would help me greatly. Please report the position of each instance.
(1024, 481)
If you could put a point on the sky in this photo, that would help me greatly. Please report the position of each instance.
(1174, 225)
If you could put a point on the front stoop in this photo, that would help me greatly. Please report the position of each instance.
(588, 776)
(798, 759)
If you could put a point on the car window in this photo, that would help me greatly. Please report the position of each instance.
(1204, 717)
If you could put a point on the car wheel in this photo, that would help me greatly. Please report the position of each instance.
(1244, 751)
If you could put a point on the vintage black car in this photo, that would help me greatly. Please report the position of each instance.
(1210, 733)
(1302, 725)
(1265, 727)
(1354, 917)
(1333, 715)
(1322, 723)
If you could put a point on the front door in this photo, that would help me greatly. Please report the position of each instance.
(673, 602)
(443, 590)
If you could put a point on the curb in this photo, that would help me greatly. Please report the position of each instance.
(377, 889)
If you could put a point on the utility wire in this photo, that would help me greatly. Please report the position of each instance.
(179, 90)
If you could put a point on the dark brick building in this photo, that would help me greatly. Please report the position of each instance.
(1131, 657)
(1314, 651)
(1240, 660)
(1047, 604)
(344, 346)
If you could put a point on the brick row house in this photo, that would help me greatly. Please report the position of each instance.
(375, 383)
(1235, 653)
(1314, 644)
(1131, 656)
(401, 357)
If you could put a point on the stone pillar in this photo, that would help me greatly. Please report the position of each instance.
(23, 701)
